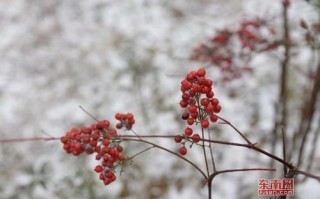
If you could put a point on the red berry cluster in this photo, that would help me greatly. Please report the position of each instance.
(99, 139)
(221, 50)
(125, 120)
(198, 99)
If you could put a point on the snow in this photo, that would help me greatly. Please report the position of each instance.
(127, 56)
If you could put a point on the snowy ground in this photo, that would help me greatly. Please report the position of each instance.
(124, 56)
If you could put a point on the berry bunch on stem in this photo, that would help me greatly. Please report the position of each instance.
(101, 140)
(200, 105)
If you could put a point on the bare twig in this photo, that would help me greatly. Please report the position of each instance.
(285, 170)
(89, 114)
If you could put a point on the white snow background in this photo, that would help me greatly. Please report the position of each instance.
(128, 56)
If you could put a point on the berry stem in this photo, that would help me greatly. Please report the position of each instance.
(204, 152)
(239, 132)
(167, 150)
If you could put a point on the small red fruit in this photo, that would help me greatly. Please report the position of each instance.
(183, 150)
(196, 138)
(188, 131)
(205, 123)
(98, 168)
(178, 138)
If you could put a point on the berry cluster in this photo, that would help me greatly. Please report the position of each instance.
(200, 104)
(99, 139)
(125, 120)
(232, 50)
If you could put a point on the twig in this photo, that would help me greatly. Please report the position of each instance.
(89, 114)
(285, 171)
(239, 132)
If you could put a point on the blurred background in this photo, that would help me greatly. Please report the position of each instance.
(130, 56)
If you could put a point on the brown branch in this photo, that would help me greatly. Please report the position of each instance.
(35, 139)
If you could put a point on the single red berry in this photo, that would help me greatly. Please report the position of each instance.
(188, 131)
(185, 116)
(192, 101)
(183, 104)
(190, 121)
(196, 88)
(178, 138)
(105, 142)
(121, 158)
(213, 118)
(192, 75)
(185, 84)
(119, 125)
(129, 116)
(209, 108)
(214, 101)
(183, 150)
(205, 123)
(98, 168)
(196, 138)
(204, 102)
(64, 139)
(113, 132)
(201, 72)
(217, 108)
(185, 97)
(118, 116)
(119, 148)
(210, 94)
(208, 82)
(192, 109)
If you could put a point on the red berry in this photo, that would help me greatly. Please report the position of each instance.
(118, 116)
(210, 94)
(190, 121)
(119, 125)
(209, 108)
(185, 84)
(178, 138)
(98, 168)
(64, 139)
(188, 131)
(213, 118)
(185, 116)
(192, 75)
(183, 104)
(105, 142)
(217, 108)
(119, 148)
(214, 101)
(129, 116)
(196, 88)
(205, 123)
(204, 102)
(201, 72)
(183, 150)
(196, 138)
(192, 109)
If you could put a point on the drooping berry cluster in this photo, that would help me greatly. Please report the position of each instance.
(125, 120)
(231, 50)
(99, 139)
(200, 104)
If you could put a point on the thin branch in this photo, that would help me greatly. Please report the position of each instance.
(35, 139)
(204, 152)
(135, 155)
(89, 114)
(239, 132)
(211, 153)
(167, 150)
(284, 153)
